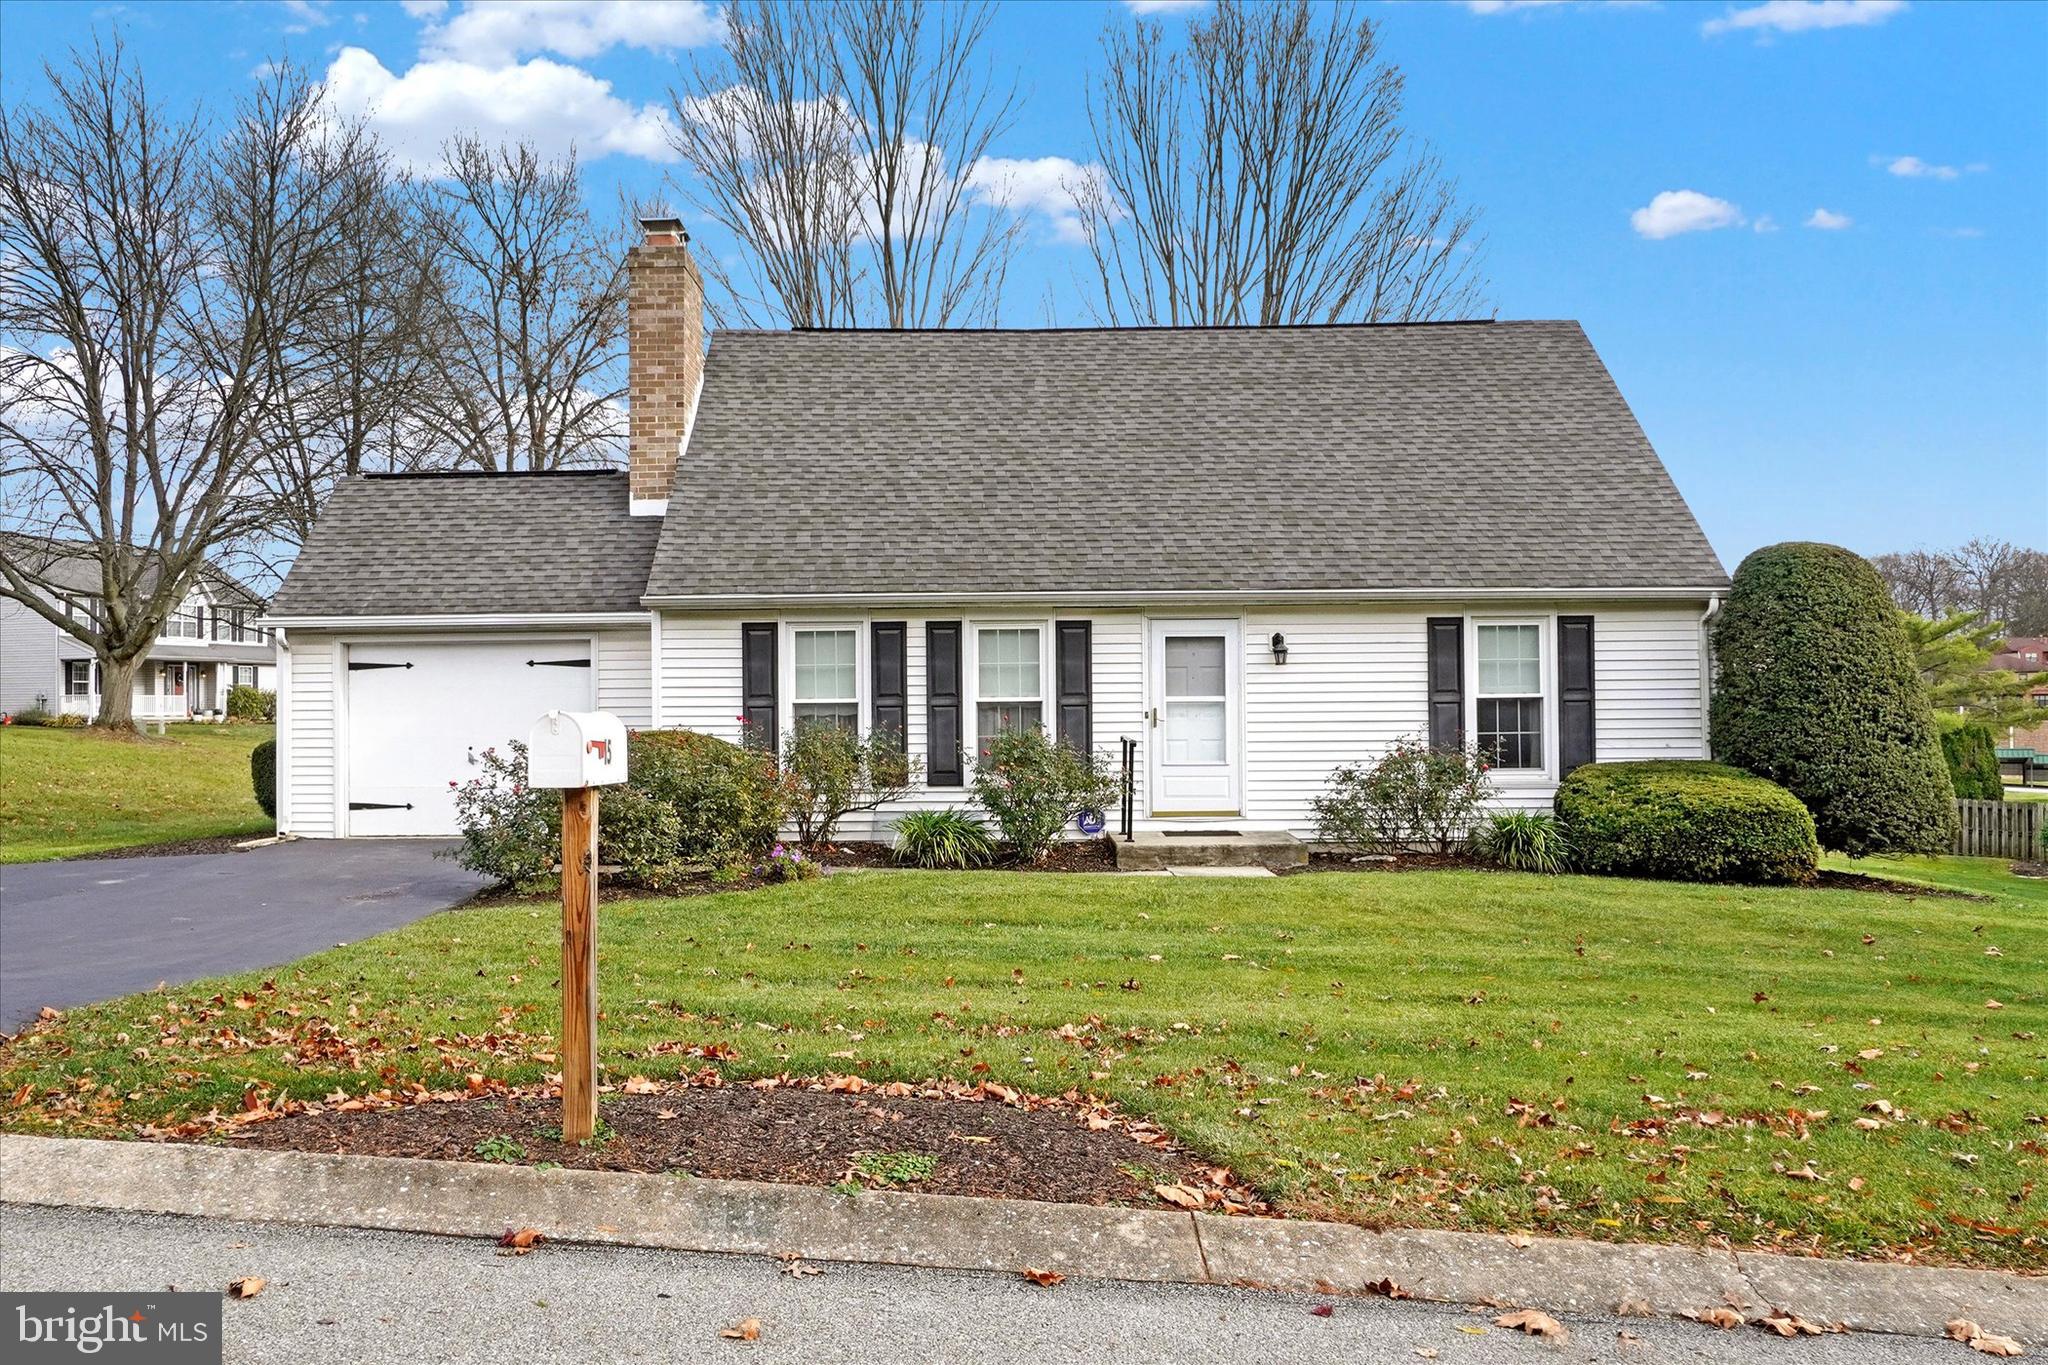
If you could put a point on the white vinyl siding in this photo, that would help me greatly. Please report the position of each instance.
(307, 737)
(625, 683)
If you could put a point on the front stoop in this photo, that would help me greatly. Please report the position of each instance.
(1158, 850)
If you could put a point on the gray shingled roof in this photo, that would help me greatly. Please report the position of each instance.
(1468, 456)
(472, 543)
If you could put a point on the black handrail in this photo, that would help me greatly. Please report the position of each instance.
(1130, 786)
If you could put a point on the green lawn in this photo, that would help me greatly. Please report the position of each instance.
(78, 791)
(2015, 792)
(1608, 1058)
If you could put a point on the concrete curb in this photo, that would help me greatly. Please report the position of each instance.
(471, 1199)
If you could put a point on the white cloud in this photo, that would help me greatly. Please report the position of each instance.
(551, 105)
(1507, 6)
(1913, 168)
(498, 32)
(1764, 223)
(423, 9)
(306, 16)
(1046, 185)
(1676, 211)
(1162, 6)
(1828, 222)
(1800, 16)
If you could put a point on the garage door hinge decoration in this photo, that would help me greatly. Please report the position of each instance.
(355, 667)
(553, 663)
(379, 805)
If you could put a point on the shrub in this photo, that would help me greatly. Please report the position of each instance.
(1817, 690)
(829, 773)
(68, 720)
(1525, 841)
(251, 703)
(1411, 795)
(512, 833)
(787, 863)
(728, 801)
(32, 716)
(943, 838)
(1031, 787)
(263, 775)
(1685, 821)
(1971, 751)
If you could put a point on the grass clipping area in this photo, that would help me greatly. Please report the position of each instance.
(1824, 1071)
(70, 791)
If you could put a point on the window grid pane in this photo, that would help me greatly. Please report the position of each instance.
(1007, 664)
(1511, 731)
(1510, 661)
(1004, 718)
(825, 666)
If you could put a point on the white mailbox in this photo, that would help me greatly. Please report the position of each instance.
(576, 749)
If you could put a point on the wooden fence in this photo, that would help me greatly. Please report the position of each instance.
(2001, 829)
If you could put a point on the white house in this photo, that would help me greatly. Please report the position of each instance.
(209, 644)
(1256, 552)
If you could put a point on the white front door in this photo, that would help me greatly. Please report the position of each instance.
(1196, 680)
(420, 716)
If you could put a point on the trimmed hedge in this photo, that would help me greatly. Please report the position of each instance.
(251, 703)
(263, 775)
(1817, 689)
(1972, 753)
(1683, 821)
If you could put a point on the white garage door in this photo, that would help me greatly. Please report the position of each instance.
(421, 715)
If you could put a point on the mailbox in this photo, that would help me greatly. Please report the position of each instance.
(576, 749)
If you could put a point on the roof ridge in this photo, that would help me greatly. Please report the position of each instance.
(1234, 329)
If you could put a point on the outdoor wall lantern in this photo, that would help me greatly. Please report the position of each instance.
(1279, 648)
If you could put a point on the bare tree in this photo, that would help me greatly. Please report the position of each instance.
(527, 324)
(358, 375)
(1261, 174)
(838, 141)
(152, 269)
(1994, 579)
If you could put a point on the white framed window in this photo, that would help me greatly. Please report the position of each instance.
(1510, 696)
(185, 625)
(1008, 670)
(825, 676)
(78, 677)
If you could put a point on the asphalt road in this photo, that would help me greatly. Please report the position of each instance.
(348, 1296)
(76, 932)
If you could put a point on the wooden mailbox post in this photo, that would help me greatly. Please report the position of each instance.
(578, 752)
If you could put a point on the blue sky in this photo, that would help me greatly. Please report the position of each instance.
(1878, 378)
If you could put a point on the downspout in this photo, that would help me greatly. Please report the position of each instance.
(1707, 675)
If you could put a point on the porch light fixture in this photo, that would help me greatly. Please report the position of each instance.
(1279, 648)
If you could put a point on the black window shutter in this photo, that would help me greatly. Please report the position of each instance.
(1446, 682)
(757, 684)
(1575, 730)
(942, 765)
(891, 700)
(1072, 671)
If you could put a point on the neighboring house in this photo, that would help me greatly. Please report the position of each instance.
(208, 645)
(2026, 654)
(1257, 552)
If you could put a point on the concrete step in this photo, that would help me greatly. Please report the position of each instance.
(1161, 849)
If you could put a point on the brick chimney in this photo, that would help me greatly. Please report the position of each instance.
(665, 357)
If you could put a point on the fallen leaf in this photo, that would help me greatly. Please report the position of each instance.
(1977, 1339)
(1386, 1289)
(248, 1287)
(1471, 1331)
(1518, 1241)
(639, 1085)
(1723, 1318)
(1993, 1005)
(1426, 1352)
(1044, 1279)
(1634, 1308)
(1533, 1321)
(1789, 1324)
(519, 1241)
(746, 1329)
(1322, 1310)
(1179, 1195)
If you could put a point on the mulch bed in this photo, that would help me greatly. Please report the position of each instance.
(1319, 861)
(2029, 869)
(984, 1140)
(1829, 880)
(219, 843)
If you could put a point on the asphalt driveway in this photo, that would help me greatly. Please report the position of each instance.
(75, 932)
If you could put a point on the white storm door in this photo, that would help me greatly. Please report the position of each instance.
(421, 715)
(1196, 683)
